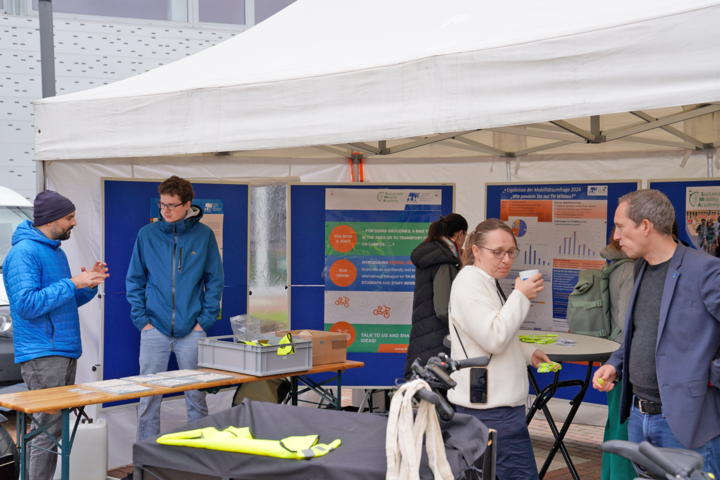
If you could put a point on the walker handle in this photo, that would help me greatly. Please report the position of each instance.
(428, 395)
(472, 362)
(654, 455)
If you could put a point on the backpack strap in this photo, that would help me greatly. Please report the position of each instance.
(588, 305)
(616, 331)
(608, 268)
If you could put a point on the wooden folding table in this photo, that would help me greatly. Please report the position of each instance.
(52, 400)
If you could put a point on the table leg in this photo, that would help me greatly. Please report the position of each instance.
(66, 444)
(339, 395)
(543, 396)
(21, 428)
(575, 402)
(294, 390)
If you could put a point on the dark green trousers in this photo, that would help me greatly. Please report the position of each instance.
(615, 467)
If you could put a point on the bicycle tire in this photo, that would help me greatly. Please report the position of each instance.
(7, 446)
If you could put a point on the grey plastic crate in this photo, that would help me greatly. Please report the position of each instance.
(223, 353)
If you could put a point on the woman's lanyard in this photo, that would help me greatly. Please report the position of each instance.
(503, 298)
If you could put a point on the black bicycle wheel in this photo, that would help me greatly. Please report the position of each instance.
(7, 446)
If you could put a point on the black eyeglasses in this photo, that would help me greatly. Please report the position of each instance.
(501, 253)
(170, 207)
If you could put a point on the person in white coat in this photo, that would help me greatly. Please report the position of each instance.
(486, 323)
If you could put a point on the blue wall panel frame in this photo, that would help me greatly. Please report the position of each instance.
(126, 205)
(615, 191)
(307, 262)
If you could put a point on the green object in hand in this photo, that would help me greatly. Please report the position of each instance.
(601, 381)
(539, 339)
(549, 367)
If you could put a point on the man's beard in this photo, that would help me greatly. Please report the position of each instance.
(62, 235)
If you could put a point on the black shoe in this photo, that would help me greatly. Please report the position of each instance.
(129, 476)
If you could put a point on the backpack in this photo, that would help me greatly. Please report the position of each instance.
(588, 310)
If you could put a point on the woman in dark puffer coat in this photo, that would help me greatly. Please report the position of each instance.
(437, 262)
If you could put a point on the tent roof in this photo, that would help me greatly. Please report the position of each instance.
(324, 72)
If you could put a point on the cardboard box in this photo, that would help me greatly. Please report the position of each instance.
(328, 347)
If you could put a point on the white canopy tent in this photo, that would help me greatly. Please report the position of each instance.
(325, 72)
(426, 91)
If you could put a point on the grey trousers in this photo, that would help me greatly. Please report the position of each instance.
(39, 373)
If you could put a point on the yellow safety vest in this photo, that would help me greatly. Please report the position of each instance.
(241, 440)
(287, 339)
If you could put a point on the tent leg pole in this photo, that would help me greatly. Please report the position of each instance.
(39, 176)
(47, 48)
(709, 154)
(507, 169)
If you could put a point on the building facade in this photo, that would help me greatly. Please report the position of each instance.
(98, 42)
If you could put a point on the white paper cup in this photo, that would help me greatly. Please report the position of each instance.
(528, 273)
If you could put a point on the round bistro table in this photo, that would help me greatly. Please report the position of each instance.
(586, 349)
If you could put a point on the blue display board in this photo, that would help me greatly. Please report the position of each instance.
(693, 200)
(126, 209)
(308, 272)
(573, 244)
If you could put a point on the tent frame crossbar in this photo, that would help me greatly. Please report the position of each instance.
(562, 131)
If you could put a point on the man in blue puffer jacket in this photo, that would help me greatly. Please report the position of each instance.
(44, 300)
(174, 285)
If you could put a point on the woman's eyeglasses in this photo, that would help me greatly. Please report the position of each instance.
(501, 253)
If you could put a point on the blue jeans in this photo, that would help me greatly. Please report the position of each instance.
(155, 349)
(655, 429)
(515, 458)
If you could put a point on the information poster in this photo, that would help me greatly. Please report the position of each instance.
(560, 230)
(701, 203)
(213, 216)
(369, 278)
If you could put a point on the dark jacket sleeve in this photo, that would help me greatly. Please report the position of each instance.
(616, 359)
(709, 281)
(214, 279)
(135, 283)
(441, 291)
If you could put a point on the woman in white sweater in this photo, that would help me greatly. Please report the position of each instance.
(484, 323)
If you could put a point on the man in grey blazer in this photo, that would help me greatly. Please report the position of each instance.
(672, 334)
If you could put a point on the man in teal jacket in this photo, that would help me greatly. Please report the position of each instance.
(44, 300)
(174, 285)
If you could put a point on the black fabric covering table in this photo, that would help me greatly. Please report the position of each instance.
(361, 455)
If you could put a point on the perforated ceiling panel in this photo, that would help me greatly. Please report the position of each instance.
(88, 54)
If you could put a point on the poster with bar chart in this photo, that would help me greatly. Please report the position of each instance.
(561, 229)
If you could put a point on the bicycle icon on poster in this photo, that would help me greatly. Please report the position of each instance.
(343, 301)
(382, 310)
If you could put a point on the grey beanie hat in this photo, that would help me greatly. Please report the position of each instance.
(50, 206)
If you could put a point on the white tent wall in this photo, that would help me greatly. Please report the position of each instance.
(81, 183)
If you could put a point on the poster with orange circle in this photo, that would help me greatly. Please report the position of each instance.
(343, 273)
(346, 328)
(343, 238)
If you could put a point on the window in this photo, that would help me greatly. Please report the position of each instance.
(222, 11)
(172, 10)
(268, 257)
(10, 218)
(265, 9)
